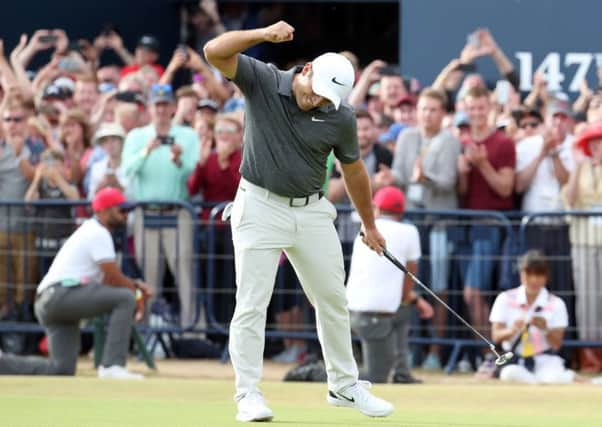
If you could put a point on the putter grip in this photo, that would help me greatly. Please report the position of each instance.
(390, 257)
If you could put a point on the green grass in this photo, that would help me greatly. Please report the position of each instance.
(83, 402)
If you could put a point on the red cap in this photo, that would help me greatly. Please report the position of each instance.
(389, 199)
(591, 132)
(407, 99)
(109, 197)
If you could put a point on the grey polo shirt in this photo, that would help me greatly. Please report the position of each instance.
(285, 148)
(13, 186)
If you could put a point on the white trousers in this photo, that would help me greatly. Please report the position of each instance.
(549, 369)
(263, 225)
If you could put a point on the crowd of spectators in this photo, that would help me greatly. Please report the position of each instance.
(76, 125)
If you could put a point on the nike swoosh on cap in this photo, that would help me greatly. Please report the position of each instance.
(313, 119)
(334, 80)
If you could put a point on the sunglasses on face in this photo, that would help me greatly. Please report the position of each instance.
(15, 119)
(228, 130)
(532, 125)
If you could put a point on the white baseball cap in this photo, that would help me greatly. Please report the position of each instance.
(108, 129)
(333, 77)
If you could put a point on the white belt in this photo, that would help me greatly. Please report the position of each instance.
(295, 202)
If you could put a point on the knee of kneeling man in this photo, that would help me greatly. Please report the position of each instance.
(128, 298)
(65, 369)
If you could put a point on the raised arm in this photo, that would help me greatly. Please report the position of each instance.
(222, 51)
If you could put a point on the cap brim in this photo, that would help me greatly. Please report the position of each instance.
(323, 89)
(127, 206)
(161, 99)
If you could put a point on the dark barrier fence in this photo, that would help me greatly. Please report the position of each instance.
(194, 245)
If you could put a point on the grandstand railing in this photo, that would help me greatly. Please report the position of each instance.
(213, 256)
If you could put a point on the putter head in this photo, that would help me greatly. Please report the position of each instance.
(504, 358)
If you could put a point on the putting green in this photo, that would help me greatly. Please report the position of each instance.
(87, 401)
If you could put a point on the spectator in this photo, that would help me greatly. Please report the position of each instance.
(584, 192)
(406, 111)
(53, 223)
(205, 80)
(74, 289)
(528, 121)
(369, 78)
(17, 262)
(132, 113)
(186, 101)
(206, 22)
(424, 166)
(373, 154)
(392, 92)
(380, 296)
(147, 53)
(536, 319)
(108, 74)
(173, 150)
(108, 172)
(217, 177)
(75, 136)
(207, 109)
(486, 180)
(388, 139)
(217, 172)
(110, 39)
(86, 93)
(543, 160)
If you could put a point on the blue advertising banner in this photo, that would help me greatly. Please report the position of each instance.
(558, 38)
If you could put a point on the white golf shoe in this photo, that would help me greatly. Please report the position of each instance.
(252, 407)
(359, 397)
(117, 372)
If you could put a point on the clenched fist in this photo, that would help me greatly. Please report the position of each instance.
(278, 32)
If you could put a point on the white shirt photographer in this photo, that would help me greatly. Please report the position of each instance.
(374, 283)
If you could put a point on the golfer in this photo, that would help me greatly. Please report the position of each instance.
(293, 120)
(84, 281)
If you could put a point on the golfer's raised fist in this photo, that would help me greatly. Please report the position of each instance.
(278, 32)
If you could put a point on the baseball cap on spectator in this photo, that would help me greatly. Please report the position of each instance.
(461, 119)
(65, 82)
(374, 89)
(234, 104)
(560, 104)
(591, 132)
(110, 197)
(392, 133)
(53, 91)
(131, 97)
(149, 42)
(207, 103)
(407, 100)
(389, 199)
(333, 77)
(161, 93)
(108, 129)
(520, 114)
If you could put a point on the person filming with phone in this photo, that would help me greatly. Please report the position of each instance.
(159, 158)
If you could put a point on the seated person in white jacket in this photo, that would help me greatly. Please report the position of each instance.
(530, 321)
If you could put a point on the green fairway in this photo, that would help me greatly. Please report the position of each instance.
(82, 402)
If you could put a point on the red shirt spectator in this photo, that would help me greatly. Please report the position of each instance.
(216, 184)
(147, 53)
(500, 153)
(217, 173)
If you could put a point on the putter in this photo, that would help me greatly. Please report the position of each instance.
(501, 359)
